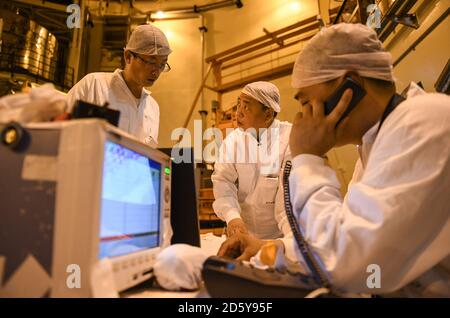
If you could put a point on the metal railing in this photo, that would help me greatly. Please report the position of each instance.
(38, 68)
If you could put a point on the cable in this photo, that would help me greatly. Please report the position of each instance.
(303, 246)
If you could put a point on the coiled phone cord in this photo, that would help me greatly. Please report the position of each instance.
(311, 262)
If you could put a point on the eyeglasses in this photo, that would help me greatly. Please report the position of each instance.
(162, 67)
(243, 105)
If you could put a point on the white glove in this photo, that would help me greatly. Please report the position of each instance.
(180, 266)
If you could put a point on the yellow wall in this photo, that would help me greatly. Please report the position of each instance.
(229, 27)
(175, 90)
(428, 59)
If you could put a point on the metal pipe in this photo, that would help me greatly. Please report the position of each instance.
(202, 111)
(423, 36)
(197, 95)
(391, 11)
(407, 5)
(260, 39)
(204, 8)
(341, 9)
(354, 13)
(195, 9)
(202, 32)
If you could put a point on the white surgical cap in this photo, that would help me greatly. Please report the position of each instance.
(338, 49)
(148, 40)
(264, 92)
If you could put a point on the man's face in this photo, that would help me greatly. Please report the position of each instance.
(146, 69)
(251, 113)
(360, 118)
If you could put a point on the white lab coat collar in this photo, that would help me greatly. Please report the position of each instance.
(275, 124)
(367, 142)
(146, 91)
(118, 74)
(414, 90)
(371, 134)
(369, 137)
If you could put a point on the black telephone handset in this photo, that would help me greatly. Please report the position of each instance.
(358, 94)
(231, 278)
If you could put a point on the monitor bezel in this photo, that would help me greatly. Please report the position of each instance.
(144, 259)
(78, 206)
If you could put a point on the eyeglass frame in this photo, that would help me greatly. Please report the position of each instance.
(245, 107)
(166, 67)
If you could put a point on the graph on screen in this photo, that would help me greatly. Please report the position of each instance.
(130, 208)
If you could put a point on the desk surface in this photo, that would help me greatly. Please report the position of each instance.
(157, 292)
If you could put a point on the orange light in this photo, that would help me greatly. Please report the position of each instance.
(295, 6)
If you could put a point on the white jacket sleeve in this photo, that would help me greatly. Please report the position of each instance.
(88, 89)
(224, 177)
(280, 212)
(396, 216)
(78, 92)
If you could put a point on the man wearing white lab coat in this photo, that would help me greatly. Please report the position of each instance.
(246, 174)
(394, 221)
(145, 57)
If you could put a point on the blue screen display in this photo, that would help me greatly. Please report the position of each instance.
(130, 206)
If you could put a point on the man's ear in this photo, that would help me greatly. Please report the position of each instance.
(127, 57)
(270, 114)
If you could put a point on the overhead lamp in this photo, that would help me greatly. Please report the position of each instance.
(160, 15)
(295, 6)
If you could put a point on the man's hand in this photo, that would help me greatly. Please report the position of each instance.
(269, 252)
(313, 132)
(236, 226)
(241, 246)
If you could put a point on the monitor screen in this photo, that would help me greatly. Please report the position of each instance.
(130, 206)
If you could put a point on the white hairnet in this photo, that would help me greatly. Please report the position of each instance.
(264, 92)
(148, 40)
(338, 49)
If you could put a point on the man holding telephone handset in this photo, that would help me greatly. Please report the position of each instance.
(395, 216)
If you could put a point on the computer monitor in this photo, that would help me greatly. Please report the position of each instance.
(184, 216)
(80, 193)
